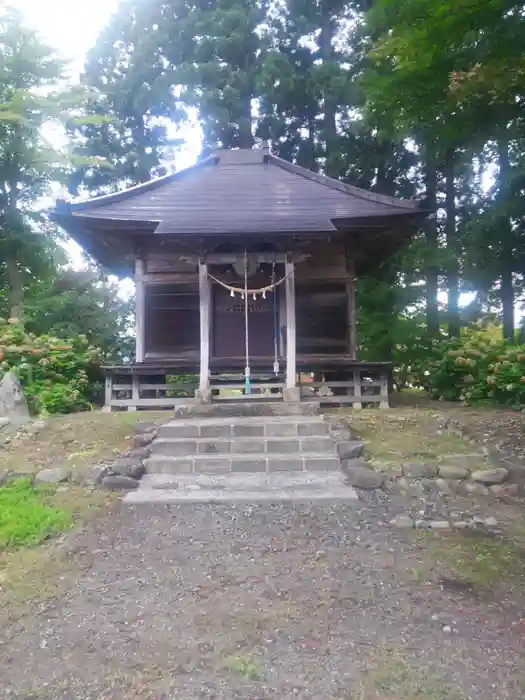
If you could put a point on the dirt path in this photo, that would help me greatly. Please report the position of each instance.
(261, 603)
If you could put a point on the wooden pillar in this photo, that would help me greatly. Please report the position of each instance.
(291, 361)
(204, 305)
(140, 311)
(357, 404)
(351, 319)
(108, 394)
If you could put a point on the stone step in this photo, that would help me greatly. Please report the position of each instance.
(247, 408)
(224, 463)
(250, 488)
(180, 447)
(264, 426)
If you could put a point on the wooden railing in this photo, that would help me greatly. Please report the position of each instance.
(139, 391)
(367, 385)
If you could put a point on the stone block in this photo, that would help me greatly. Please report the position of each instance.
(215, 431)
(174, 431)
(283, 429)
(285, 465)
(292, 394)
(321, 464)
(490, 476)
(169, 466)
(174, 448)
(312, 429)
(214, 447)
(316, 444)
(212, 466)
(283, 446)
(248, 446)
(451, 471)
(247, 430)
(248, 465)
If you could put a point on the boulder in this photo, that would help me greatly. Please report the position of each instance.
(52, 476)
(13, 404)
(92, 475)
(420, 471)
(119, 482)
(144, 439)
(364, 478)
(350, 449)
(451, 471)
(490, 476)
(129, 467)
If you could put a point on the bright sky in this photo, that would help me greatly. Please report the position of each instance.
(71, 28)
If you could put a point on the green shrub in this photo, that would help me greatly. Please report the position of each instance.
(25, 518)
(59, 376)
(476, 368)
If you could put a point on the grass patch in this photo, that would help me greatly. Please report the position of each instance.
(405, 435)
(391, 677)
(26, 518)
(75, 441)
(485, 565)
(246, 666)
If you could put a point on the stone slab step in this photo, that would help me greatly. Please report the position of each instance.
(180, 447)
(251, 488)
(223, 464)
(247, 408)
(264, 426)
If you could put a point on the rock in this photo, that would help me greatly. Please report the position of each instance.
(490, 476)
(420, 471)
(476, 489)
(364, 478)
(443, 486)
(4, 474)
(458, 486)
(452, 472)
(490, 522)
(469, 461)
(513, 490)
(402, 522)
(498, 491)
(13, 404)
(91, 476)
(439, 525)
(4, 422)
(350, 449)
(146, 427)
(129, 466)
(119, 482)
(144, 439)
(138, 453)
(52, 476)
(460, 525)
(350, 463)
(447, 629)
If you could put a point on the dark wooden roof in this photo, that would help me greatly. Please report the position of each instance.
(231, 193)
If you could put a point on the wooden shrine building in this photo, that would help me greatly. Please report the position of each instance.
(245, 268)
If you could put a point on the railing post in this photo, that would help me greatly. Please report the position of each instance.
(383, 389)
(357, 389)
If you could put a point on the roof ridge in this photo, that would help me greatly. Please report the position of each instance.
(334, 184)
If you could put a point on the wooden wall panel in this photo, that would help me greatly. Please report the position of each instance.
(172, 320)
(321, 313)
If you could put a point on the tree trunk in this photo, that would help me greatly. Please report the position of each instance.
(329, 136)
(16, 288)
(506, 257)
(453, 248)
(431, 235)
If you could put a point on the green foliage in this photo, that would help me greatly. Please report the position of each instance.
(476, 368)
(25, 518)
(59, 376)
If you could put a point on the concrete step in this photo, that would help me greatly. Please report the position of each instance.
(180, 447)
(263, 426)
(238, 462)
(248, 488)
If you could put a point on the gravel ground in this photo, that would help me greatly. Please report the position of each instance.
(260, 603)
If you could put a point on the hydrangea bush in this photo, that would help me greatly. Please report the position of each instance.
(476, 368)
(58, 376)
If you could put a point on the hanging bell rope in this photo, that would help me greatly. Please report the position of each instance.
(247, 371)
